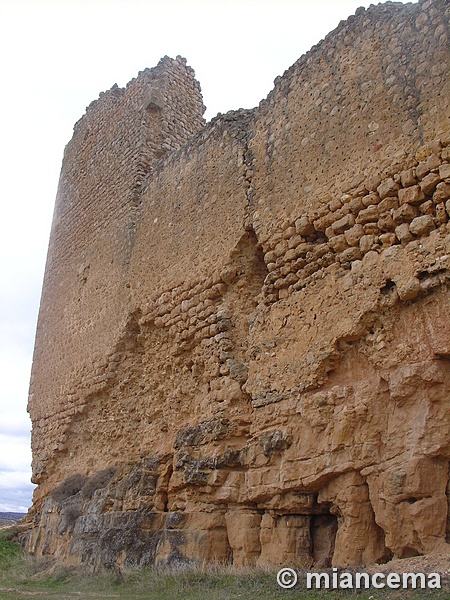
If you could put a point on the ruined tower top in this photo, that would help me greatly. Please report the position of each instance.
(106, 165)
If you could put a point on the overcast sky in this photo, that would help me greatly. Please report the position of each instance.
(56, 57)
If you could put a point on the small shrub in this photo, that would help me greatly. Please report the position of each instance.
(97, 481)
(68, 518)
(10, 534)
(69, 487)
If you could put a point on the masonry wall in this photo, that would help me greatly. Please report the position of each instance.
(86, 287)
(336, 139)
(261, 375)
(351, 111)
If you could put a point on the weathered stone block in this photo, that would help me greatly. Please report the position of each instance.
(442, 192)
(408, 289)
(404, 213)
(342, 224)
(366, 243)
(444, 171)
(388, 239)
(303, 226)
(338, 243)
(370, 199)
(295, 241)
(387, 188)
(411, 195)
(421, 225)
(368, 215)
(389, 203)
(441, 214)
(426, 208)
(351, 254)
(408, 177)
(429, 182)
(386, 222)
(403, 234)
(424, 167)
(354, 234)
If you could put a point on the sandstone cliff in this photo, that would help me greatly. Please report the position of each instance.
(243, 344)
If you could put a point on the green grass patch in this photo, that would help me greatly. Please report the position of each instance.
(8, 550)
(11, 554)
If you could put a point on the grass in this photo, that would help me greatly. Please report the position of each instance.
(22, 576)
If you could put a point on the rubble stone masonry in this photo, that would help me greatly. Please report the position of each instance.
(243, 344)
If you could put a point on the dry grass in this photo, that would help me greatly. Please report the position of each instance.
(22, 576)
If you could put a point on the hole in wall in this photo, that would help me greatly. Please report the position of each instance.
(412, 500)
(387, 287)
(409, 552)
(323, 538)
(248, 260)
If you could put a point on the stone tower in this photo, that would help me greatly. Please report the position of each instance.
(86, 291)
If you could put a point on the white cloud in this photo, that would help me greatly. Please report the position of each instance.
(15, 492)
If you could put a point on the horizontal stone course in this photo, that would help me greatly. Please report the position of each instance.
(394, 210)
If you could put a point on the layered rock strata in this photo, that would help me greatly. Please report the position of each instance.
(243, 345)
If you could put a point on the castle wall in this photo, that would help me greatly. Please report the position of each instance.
(86, 286)
(263, 374)
(333, 145)
(351, 111)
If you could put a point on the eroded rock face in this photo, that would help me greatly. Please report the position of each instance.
(243, 348)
